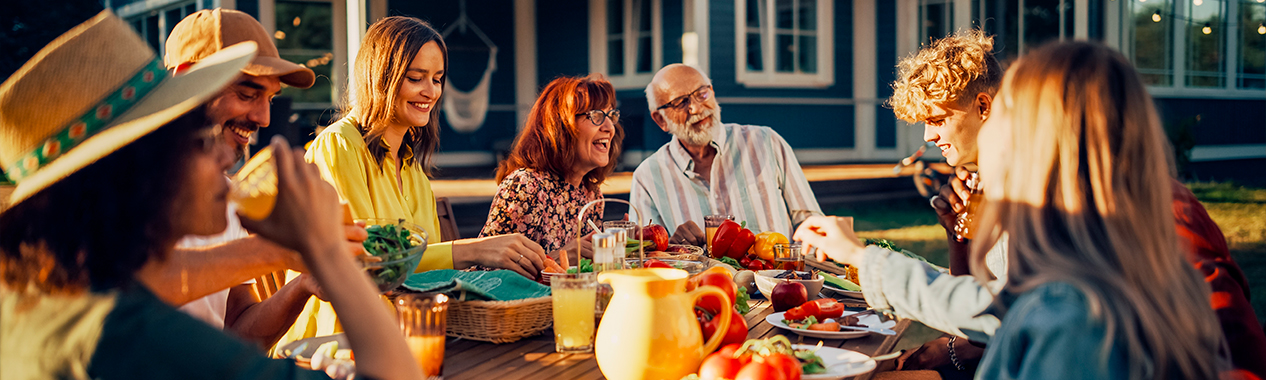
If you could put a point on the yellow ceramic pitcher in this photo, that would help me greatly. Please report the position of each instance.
(649, 330)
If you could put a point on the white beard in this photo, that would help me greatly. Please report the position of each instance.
(692, 136)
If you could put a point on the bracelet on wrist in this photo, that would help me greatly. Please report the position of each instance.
(953, 356)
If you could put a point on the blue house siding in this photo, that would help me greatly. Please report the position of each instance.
(885, 70)
(1222, 121)
(562, 39)
(468, 58)
(803, 126)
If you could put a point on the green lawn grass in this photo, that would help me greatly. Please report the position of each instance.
(1239, 211)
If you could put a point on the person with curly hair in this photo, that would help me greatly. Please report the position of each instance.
(567, 148)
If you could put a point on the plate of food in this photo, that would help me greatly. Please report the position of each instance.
(316, 351)
(836, 363)
(846, 326)
(841, 286)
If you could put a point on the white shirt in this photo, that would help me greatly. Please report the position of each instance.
(755, 177)
(211, 309)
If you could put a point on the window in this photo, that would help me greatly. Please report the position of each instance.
(1206, 34)
(784, 43)
(305, 35)
(626, 40)
(1198, 47)
(157, 24)
(1252, 45)
(1152, 42)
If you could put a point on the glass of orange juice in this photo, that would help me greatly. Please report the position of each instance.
(422, 320)
(710, 224)
(255, 186)
(574, 297)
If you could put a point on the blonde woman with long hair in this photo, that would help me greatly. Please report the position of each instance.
(1077, 173)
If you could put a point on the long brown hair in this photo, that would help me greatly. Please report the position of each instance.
(384, 57)
(1076, 169)
(548, 140)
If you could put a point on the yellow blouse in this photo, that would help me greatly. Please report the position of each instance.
(373, 191)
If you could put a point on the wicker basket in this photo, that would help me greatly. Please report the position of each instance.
(499, 321)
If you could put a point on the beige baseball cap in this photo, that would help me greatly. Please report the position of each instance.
(209, 30)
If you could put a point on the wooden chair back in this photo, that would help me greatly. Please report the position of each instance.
(448, 221)
(267, 285)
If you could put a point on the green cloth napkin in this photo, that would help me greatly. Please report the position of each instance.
(497, 285)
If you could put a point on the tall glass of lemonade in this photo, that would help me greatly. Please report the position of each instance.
(574, 298)
(711, 223)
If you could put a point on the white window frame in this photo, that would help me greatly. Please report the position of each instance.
(630, 78)
(769, 77)
(141, 10)
(1178, 54)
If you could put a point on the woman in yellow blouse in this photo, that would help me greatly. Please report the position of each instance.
(379, 155)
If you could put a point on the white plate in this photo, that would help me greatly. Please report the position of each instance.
(868, 321)
(860, 363)
(846, 293)
(314, 342)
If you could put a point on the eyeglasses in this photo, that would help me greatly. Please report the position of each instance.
(597, 117)
(210, 137)
(700, 95)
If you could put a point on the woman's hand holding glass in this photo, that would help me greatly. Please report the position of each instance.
(833, 237)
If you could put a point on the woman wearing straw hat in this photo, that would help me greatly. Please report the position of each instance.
(114, 163)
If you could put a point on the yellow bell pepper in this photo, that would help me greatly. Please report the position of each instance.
(764, 247)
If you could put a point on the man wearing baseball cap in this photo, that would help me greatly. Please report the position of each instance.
(213, 264)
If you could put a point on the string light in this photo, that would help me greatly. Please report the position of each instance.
(1207, 29)
(1261, 28)
(1197, 2)
(1156, 16)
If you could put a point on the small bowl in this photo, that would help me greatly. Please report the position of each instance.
(390, 274)
(765, 281)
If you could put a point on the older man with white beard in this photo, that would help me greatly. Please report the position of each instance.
(711, 168)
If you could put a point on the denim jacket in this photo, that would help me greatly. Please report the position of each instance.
(1048, 333)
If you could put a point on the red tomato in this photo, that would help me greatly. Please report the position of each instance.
(787, 365)
(760, 370)
(801, 312)
(713, 304)
(730, 349)
(652, 263)
(720, 365)
(829, 308)
(737, 333)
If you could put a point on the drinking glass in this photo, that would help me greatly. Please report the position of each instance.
(788, 257)
(575, 296)
(422, 320)
(710, 223)
(630, 230)
(254, 187)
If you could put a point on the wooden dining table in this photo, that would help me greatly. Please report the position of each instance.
(534, 357)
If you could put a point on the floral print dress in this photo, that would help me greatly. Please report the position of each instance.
(542, 207)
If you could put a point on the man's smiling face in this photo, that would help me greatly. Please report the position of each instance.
(242, 108)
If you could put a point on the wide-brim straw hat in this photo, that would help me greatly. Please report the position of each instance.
(91, 91)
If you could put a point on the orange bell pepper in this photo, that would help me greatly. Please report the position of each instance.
(764, 245)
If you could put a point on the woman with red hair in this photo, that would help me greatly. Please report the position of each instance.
(565, 151)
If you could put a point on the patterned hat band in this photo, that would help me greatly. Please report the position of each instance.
(93, 121)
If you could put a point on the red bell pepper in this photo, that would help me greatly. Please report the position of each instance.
(732, 240)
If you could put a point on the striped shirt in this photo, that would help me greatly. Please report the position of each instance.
(755, 178)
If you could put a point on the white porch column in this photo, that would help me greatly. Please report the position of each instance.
(355, 33)
(524, 59)
(1081, 19)
(864, 123)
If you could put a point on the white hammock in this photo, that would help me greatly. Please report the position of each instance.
(466, 110)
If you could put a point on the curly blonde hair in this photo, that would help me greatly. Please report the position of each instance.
(952, 69)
